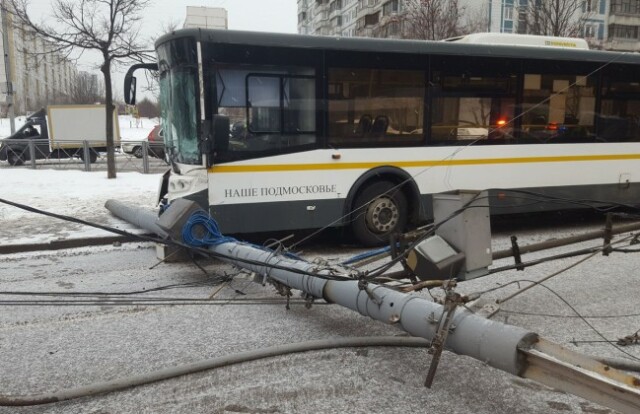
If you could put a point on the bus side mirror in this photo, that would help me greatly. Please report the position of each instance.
(130, 81)
(130, 90)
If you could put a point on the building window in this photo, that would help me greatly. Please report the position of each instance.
(371, 19)
(590, 31)
(367, 3)
(590, 6)
(391, 29)
(625, 6)
(508, 12)
(522, 22)
(619, 31)
(390, 7)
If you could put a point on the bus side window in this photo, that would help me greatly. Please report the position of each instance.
(263, 103)
(471, 107)
(375, 106)
(619, 118)
(299, 104)
(558, 108)
(270, 109)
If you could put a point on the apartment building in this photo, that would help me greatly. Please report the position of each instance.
(363, 18)
(606, 24)
(623, 26)
(38, 75)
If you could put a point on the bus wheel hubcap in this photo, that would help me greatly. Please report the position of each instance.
(382, 215)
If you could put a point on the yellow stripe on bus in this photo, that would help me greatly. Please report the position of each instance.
(409, 164)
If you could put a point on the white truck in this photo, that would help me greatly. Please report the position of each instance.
(60, 132)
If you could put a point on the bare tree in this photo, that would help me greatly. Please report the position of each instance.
(170, 26)
(109, 27)
(87, 89)
(148, 109)
(433, 19)
(554, 17)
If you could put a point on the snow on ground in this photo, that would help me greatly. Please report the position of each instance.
(74, 193)
(132, 129)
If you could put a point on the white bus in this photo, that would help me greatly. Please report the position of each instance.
(280, 132)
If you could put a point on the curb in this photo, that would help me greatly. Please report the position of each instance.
(67, 244)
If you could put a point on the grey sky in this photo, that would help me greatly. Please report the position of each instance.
(256, 15)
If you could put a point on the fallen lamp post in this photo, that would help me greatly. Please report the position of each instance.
(509, 348)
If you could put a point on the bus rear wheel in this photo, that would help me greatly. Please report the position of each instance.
(379, 211)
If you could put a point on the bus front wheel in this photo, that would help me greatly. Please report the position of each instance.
(379, 211)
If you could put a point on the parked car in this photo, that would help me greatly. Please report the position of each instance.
(156, 142)
(155, 147)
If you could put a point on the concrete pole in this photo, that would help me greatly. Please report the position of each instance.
(137, 216)
(492, 342)
(508, 348)
(505, 347)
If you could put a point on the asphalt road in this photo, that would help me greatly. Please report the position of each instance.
(48, 348)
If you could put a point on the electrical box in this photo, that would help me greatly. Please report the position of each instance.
(172, 221)
(174, 218)
(434, 259)
(462, 219)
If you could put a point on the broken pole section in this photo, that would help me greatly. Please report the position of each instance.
(505, 347)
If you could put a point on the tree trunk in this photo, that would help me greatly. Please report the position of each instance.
(111, 161)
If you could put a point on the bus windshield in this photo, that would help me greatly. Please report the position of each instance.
(178, 103)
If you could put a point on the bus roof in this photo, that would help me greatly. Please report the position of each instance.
(521, 40)
(377, 45)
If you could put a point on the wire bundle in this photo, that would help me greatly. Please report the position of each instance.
(366, 255)
(202, 230)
